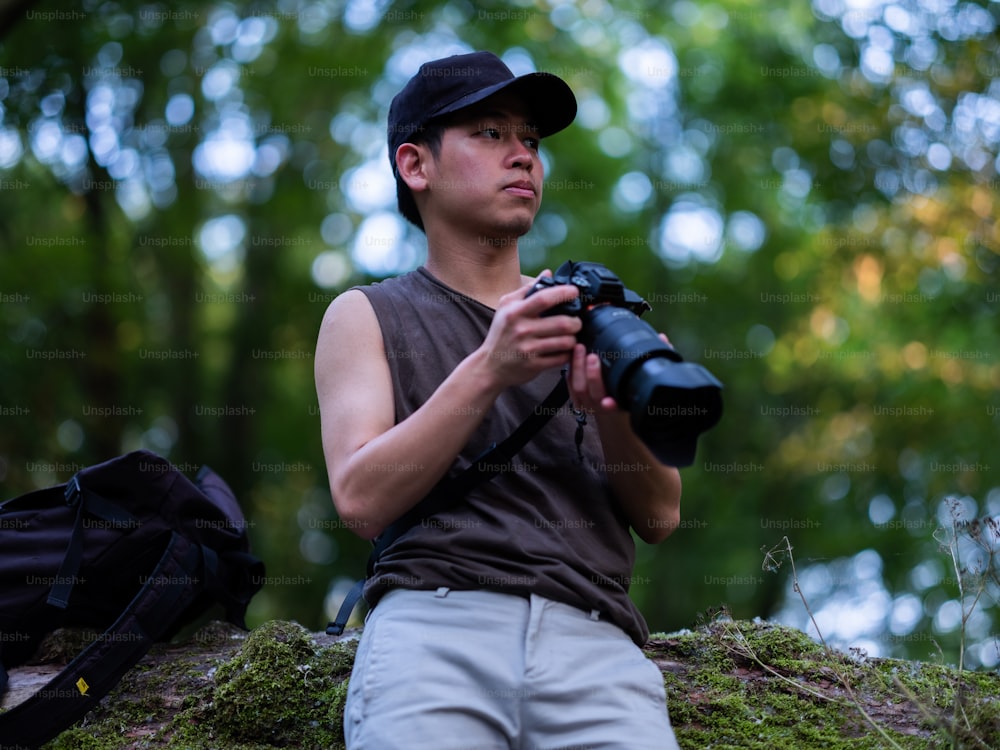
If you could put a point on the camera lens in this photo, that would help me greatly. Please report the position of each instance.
(670, 402)
(623, 342)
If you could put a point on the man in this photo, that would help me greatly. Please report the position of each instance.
(504, 621)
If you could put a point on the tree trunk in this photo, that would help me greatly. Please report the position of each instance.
(730, 685)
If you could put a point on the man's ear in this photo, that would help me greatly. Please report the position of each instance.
(411, 162)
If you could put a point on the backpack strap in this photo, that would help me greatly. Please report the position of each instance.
(65, 699)
(452, 488)
(346, 608)
(85, 501)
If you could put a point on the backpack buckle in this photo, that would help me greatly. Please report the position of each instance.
(73, 491)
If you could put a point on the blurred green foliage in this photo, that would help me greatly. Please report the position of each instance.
(807, 196)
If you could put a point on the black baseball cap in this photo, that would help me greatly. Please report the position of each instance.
(444, 86)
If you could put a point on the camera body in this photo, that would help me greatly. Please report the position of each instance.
(597, 286)
(670, 401)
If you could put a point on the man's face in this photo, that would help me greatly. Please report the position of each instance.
(487, 177)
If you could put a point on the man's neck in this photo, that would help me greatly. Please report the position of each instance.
(485, 271)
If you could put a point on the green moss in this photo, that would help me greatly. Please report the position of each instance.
(965, 720)
(748, 706)
(78, 739)
(279, 690)
(264, 691)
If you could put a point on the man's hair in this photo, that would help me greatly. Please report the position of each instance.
(429, 135)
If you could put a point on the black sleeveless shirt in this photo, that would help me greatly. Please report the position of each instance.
(551, 526)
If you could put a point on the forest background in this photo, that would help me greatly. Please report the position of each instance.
(805, 194)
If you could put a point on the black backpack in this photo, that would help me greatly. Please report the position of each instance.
(130, 547)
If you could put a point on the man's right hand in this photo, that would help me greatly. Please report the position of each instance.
(520, 343)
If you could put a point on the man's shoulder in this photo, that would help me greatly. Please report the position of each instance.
(349, 318)
(390, 283)
(368, 304)
(361, 296)
(348, 304)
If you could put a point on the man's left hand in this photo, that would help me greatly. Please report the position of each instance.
(586, 383)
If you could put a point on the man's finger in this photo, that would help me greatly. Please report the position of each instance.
(542, 300)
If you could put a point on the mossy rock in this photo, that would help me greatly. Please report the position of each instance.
(759, 685)
(277, 686)
(730, 684)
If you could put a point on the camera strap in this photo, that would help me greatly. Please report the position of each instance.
(449, 492)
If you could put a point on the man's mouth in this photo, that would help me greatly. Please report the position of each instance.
(521, 188)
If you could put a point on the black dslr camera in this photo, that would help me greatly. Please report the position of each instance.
(670, 401)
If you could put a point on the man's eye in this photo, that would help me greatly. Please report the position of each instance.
(491, 132)
(532, 143)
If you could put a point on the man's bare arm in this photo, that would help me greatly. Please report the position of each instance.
(648, 491)
(378, 470)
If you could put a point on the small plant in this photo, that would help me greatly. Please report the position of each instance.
(971, 547)
(773, 560)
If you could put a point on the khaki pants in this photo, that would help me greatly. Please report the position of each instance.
(479, 670)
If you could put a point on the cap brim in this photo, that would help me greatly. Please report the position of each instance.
(549, 98)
